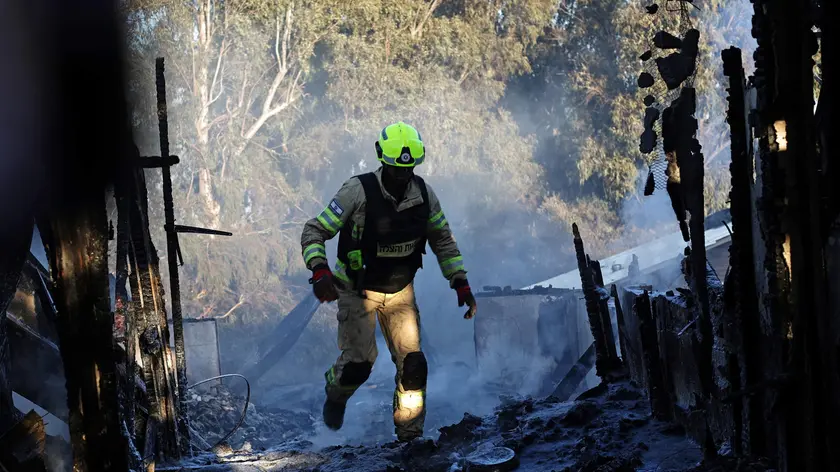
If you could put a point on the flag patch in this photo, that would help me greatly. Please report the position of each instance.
(336, 208)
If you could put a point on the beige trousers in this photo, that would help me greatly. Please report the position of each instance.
(399, 320)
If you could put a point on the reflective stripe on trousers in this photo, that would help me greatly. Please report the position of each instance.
(399, 320)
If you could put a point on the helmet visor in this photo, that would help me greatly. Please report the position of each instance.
(402, 153)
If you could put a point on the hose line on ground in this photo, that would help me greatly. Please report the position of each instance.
(244, 410)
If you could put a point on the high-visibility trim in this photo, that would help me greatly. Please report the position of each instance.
(341, 272)
(329, 376)
(357, 233)
(330, 220)
(410, 400)
(333, 383)
(450, 266)
(437, 221)
(313, 251)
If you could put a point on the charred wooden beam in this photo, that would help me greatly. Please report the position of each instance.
(172, 251)
(22, 446)
(572, 380)
(690, 161)
(604, 308)
(741, 251)
(152, 329)
(770, 197)
(36, 367)
(155, 162)
(603, 361)
(149, 450)
(125, 319)
(281, 341)
(660, 403)
(79, 249)
(795, 147)
(623, 340)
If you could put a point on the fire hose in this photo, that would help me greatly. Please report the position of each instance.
(244, 410)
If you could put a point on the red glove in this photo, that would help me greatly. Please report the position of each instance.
(322, 284)
(465, 297)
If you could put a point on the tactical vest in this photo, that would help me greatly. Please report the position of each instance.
(387, 254)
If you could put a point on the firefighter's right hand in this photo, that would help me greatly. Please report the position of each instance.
(323, 284)
(465, 297)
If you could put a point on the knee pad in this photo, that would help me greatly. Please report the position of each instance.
(355, 373)
(415, 371)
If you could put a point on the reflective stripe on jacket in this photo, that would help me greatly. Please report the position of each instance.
(349, 203)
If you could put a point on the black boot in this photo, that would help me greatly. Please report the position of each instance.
(334, 414)
(406, 436)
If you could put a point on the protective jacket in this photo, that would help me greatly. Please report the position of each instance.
(382, 242)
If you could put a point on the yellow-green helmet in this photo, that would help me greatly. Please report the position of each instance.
(400, 145)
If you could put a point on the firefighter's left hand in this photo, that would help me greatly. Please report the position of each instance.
(465, 297)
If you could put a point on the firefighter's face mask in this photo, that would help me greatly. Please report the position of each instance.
(398, 174)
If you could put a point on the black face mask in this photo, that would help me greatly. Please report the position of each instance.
(398, 174)
(395, 179)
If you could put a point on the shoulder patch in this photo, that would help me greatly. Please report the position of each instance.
(336, 208)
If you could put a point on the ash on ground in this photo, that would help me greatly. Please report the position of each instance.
(607, 429)
(214, 411)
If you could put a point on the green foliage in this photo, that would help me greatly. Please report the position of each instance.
(529, 111)
(583, 103)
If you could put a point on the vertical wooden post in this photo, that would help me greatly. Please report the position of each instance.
(606, 319)
(603, 360)
(172, 251)
(125, 310)
(796, 151)
(79, 249)
(660, 404)
(622, 328)
(741, 253)
(150, 316)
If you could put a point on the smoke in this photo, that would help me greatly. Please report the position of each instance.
(504, 240)
(652, 216)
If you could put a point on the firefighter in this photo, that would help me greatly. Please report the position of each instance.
(383, 220)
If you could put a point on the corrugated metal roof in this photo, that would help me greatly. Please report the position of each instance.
(650, 254)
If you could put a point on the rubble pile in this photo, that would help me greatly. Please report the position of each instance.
(606, 429)
(215, 411)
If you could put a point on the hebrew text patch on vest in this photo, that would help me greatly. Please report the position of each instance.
(397, 250)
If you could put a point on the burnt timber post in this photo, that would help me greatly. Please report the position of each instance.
(770, 198)
(604, 363)
(79, 254)
(622, 328)
(172, 251)
(125, 309)
(151, 326)
(604, 308)
(793, 144)
(742, 255)
(660, 403)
